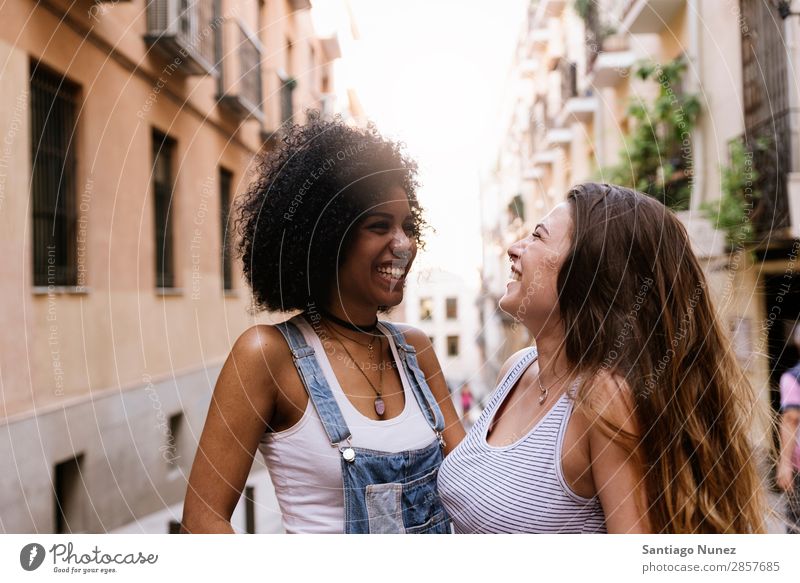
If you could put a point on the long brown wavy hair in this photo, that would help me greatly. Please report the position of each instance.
(635, 303)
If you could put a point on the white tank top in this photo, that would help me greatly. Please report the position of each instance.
(306, 470)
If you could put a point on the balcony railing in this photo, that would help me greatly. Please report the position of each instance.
(240, 81)
(770, 144)
(569, 79)
(183, 32)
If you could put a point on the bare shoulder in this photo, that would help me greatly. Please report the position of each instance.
(610, 401)
(260, 343)
(258, 357)
(412, 333)
(510, 362)
(414, 336)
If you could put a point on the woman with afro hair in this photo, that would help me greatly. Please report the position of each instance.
(351, 414)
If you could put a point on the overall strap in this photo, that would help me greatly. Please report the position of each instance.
(419, 386)
(315, 384)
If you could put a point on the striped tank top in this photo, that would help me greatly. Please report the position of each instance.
(519, 487)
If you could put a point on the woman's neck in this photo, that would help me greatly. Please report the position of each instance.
(360, 316)
(553, 363)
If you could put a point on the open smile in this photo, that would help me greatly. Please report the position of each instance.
(391, 272)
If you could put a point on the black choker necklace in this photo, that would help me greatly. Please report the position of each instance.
(349, 325)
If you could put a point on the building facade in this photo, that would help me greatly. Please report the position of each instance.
(442, 305)
(579, 74)
(129, 128)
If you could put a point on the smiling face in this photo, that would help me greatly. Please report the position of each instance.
(531, 294)
(379, 255)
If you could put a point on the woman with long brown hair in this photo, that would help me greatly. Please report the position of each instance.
(631, 413)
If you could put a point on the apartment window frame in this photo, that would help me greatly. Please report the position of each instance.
(451, 308)
(69, 495)
(54, 112)
(453, 346)
(426, 308)
(163, 181)
(226, 257)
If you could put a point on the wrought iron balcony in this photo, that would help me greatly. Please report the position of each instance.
(183, 32)
(770, 145)
(240, 84)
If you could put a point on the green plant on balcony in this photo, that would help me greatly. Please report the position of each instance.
(732, 212)
(595, 28)
(657, 157)
(583, 7)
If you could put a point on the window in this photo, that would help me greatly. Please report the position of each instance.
(170, 452)
(451, 308)
(54, 107)
(452, 346)
(69, 494)
(163, 149)
(288, 85)
(225, 181)
(516, 208)
(426, 308)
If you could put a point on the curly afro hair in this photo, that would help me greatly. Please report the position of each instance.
(309, 192)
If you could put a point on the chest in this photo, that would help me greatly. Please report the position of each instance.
(360, 378)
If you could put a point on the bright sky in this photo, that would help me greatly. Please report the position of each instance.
(432, 73)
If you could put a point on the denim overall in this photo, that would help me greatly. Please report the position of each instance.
(383, 492)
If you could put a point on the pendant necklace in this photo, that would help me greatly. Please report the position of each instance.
(380, 406)
(545, 391)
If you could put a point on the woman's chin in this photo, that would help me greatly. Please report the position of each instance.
(509, 304)
(391, 299)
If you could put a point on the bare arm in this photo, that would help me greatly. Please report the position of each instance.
(617, 474)
(241, 406)
(453, 430)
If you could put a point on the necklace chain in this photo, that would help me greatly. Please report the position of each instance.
(369, 344)
(379, 404)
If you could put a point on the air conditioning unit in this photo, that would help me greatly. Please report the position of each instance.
(183, 32)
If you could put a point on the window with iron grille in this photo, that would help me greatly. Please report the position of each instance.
(54, 108)
(225, 182)
(287, 105)
(768, 114)
(163, 152)
(288, 85)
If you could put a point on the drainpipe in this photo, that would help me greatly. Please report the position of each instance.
(694, 86)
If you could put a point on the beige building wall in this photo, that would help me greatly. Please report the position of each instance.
(99, 369)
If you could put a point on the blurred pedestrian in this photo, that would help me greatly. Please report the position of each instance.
(466, 400)
(788, 473)
(631, 413)
(351, 414)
